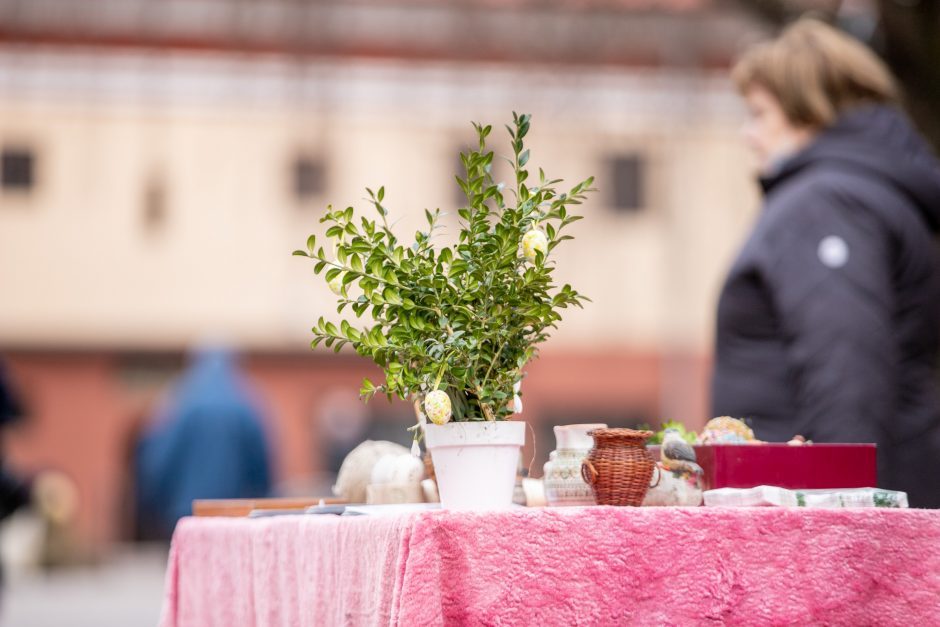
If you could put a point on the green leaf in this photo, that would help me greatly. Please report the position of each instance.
(360, 246)
(311, 243)
(391, 296)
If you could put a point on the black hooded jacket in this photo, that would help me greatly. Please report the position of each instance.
(829, 322)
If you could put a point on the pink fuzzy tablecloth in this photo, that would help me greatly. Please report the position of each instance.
(577, 566)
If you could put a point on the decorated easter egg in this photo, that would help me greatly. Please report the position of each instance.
(534, 242)
(726, 430)
(437, 407)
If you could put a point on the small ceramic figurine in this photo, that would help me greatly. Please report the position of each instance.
(683, 489)
(396, 478)
(680, 477)
(356, 472)
(677, 454)
(397, 468)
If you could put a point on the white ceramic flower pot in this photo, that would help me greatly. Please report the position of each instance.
(475, 462)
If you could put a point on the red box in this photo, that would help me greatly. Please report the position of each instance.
(812, 466)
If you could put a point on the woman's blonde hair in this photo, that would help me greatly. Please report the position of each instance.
(816, 72)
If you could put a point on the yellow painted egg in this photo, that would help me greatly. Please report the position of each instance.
(534, 242)
(437, 407)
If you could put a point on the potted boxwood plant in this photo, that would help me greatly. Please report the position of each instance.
(453, 325)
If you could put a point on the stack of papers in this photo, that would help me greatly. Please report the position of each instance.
(765, 495)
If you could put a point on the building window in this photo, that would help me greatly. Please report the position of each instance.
(628, 174)
(17, 169)
(309, 178)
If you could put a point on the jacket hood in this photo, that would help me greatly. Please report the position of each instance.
(875, 140)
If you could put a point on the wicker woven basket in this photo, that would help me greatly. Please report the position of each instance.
(619, 468)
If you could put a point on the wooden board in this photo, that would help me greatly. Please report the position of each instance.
(243, 507)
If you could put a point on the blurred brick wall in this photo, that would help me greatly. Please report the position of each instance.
(86, 408)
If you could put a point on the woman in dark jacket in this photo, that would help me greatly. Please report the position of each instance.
(829, 321)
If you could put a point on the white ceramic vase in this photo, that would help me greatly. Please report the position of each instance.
(563, 482)
(475, 462)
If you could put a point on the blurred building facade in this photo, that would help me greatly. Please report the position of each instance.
(159, 161)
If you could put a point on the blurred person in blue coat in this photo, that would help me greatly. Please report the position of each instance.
(208, 441)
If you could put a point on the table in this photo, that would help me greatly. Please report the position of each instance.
(564, 566)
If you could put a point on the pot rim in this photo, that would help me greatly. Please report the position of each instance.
(494, 433)
(620, 433)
